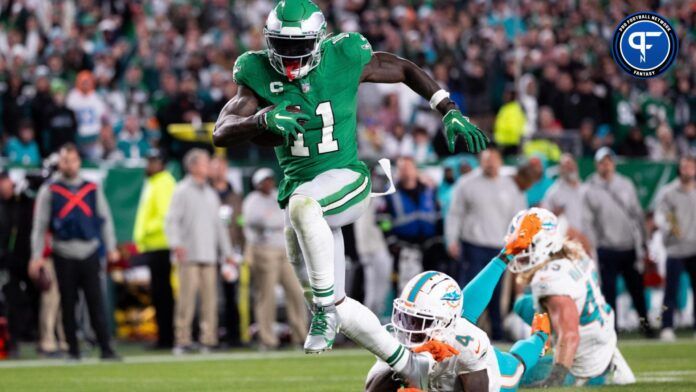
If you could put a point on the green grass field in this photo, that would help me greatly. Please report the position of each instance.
(658, 366)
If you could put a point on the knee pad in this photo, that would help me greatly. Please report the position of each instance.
(303, 210)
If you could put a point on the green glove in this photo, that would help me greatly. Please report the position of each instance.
(284, 123)
(458, 124)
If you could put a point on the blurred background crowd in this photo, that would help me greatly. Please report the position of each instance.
(137, 83)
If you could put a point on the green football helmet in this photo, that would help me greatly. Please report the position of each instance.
(294, 31)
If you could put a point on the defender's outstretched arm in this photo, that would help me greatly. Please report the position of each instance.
(388, 68)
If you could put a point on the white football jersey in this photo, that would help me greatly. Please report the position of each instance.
(579, 280)
(475, 353)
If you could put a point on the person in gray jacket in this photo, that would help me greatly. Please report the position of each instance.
(198, 239)
(483, 204)
(77, 215)
(613, 219)
(675, 216)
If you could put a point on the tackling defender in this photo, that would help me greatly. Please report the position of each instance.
(433, 315)
(300, 95)
(564, 283)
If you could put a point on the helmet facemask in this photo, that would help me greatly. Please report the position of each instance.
(293, 56)
(294, 41)
(547, 241)
(414, 327)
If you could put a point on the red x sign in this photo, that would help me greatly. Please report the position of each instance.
(74, 199)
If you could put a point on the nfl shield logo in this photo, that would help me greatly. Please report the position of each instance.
(305, 86)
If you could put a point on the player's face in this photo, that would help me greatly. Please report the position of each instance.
(409, 327)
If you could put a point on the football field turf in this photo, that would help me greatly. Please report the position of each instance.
(658, 366)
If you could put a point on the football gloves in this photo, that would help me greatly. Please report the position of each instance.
(283, 122)
(522, 238)
(439, 350)
(457, 124)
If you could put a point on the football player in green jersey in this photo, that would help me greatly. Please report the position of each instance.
(300, 95)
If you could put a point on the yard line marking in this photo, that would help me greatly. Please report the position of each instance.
(168, 358)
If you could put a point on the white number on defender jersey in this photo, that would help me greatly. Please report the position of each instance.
(327, 144)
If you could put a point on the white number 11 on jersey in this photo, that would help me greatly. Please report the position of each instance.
(328, 144)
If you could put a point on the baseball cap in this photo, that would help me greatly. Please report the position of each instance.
(260, 175)
(603, 153)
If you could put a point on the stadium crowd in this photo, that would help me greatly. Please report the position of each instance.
(113, 76)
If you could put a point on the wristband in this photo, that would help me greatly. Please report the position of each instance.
(437, 98)
(261, 121)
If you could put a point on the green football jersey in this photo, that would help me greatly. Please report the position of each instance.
(654, 112)
(328, 93)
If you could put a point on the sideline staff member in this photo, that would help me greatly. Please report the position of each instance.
(76, 213)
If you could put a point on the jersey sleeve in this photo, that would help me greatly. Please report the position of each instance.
(556, 278)
(472, 353)
(354, 47)
(241, 69)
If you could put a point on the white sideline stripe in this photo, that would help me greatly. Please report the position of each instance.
(167, 358)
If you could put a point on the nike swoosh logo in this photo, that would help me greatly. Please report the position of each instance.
(281, 117)
(458, 122)
(478, 348)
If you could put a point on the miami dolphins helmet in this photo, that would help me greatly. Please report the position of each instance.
(294, 31)
(428, 308)
(547, 240)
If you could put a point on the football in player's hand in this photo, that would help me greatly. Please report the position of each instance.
(296, 109)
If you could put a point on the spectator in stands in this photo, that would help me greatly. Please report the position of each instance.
(106, 148)
(655, 108)
(13, 100)
(132, 141)
(198, 239)
(78, 217)
(482, 205)
(231, 215)
(662, 147)
(675, 215)
(509, 126)
(412, 214)
(150, 238)
(61, 122)
(564, 197)
(686, 142)
(40, 106)
(548, 124)
(264, 225)
(634, 144)
(90, 109)
(614, 222)
(23, 149)
(376, 262)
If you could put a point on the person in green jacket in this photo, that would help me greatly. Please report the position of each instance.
(151, 241)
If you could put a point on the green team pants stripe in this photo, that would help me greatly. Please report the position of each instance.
(398, 354)
(344, 195)
(323, 292)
